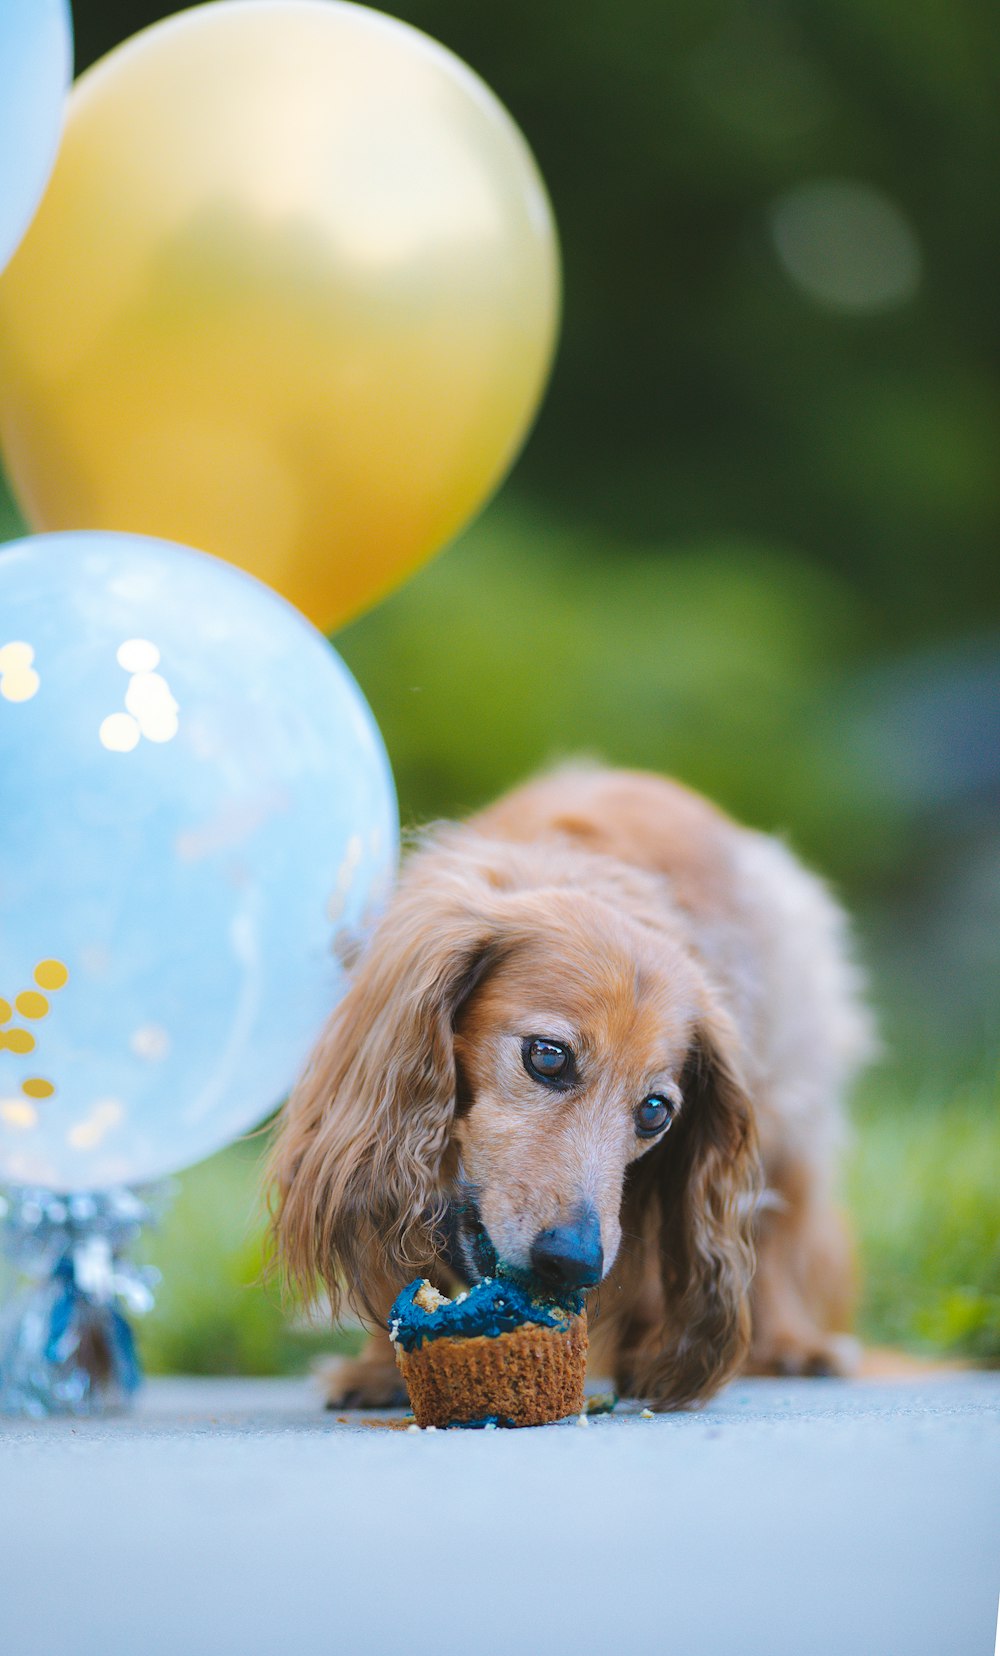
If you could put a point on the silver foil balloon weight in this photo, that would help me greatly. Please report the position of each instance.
(66, 1343)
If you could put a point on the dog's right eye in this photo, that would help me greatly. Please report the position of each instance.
(546, 1060)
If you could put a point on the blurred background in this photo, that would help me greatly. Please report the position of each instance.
(752, 541)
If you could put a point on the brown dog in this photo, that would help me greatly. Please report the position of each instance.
(601, 1035)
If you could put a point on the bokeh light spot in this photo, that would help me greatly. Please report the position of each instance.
(87, 1134)
(148, 693)
(15, 657)
(5, 1010)
(138, 655)
(31, 1004)
(36, 1087)
(19, 686)
(119, 733)
(18, 680)
(159, 725)
(150, 1042)
(846, 245)
(51, 974)
(150, 704)
(17, 1112)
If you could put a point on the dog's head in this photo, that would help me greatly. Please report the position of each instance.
(526, 1055)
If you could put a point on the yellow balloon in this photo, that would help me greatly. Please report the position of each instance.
(291, 297)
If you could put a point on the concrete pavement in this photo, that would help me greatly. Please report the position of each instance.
(234, 1518)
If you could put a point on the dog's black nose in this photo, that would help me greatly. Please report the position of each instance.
(570, 1256)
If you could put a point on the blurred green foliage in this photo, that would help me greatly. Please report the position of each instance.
(752, 540)
(214, 1312)
(924, 1187)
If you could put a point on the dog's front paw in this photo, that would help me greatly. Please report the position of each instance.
(837, 1355)
(356, 1383)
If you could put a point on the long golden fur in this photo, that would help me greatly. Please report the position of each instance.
(679, 956)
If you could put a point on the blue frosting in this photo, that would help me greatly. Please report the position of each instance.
(494, 1306)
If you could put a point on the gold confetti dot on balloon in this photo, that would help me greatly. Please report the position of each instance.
(30, 1004)
(17, 1040)
(36, 1087)
(50, 974)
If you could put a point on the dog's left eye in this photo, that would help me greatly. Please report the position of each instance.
(654, 1114)
(546, 1060)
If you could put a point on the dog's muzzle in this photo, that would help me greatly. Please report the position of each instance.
(570, 1256)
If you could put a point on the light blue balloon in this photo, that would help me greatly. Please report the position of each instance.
(197, 819)
(36, 62)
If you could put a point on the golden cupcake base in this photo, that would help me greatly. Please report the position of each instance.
(524, 1377)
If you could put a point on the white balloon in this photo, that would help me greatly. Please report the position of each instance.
(197, 814)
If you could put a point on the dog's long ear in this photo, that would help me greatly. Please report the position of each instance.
(705, 1179)
(355, 1174)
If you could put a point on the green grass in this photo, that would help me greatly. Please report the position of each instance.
(923, 1186)
(215, 1313)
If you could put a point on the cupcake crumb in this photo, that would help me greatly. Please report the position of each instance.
(645, 1414)
(428, 1298)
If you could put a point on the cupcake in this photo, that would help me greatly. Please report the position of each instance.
(492, 1357)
